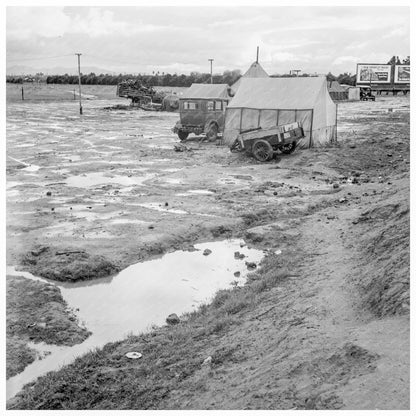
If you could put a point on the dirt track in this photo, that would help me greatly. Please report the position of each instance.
(119, 194)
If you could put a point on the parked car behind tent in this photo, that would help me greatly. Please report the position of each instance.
(202, 110)
(267, 102)
(337, 92)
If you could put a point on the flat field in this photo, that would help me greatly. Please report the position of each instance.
(322, 325)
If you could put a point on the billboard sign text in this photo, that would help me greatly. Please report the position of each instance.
(402, 74)
(373, 73)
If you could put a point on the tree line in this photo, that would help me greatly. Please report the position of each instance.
(158, 80)
(161, 79)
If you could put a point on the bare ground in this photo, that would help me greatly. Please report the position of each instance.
(324, 325)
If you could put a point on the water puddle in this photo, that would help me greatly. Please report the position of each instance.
(227, 181)
(153, 161)
(172, 170)
(173, 181)
(140, 296)
(25, 145)
(159, 146)
(31, 168)
(99, 178)
(161, 208)
(196, 192)
(127, 221)
(12, 184)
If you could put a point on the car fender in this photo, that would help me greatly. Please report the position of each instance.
(208, 125)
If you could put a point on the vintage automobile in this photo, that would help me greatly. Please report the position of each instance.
(365, 93)
(265, 143)
(202, 111)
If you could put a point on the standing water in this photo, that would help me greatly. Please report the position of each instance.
(140, 296)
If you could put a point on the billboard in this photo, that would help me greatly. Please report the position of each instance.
(373, 73)
(402, 74)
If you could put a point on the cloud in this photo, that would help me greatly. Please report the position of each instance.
(134, 39)
(26, 22)
(396, 32)
(97, 22)
(345, 59)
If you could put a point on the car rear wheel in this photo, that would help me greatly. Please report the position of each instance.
(262, 150)
(182, 135)
(212, 132)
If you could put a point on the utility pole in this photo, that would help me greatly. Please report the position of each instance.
(257, 59)
(79, 81)
(210, 60)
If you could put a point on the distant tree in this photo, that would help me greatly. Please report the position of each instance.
(394, 60)
(346, 79)
(330, 77)
(230, 77)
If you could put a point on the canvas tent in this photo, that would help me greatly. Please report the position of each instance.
(206, 91)
(336, 91)
(267, 102)
(255, 71)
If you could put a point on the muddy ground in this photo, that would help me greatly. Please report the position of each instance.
(36, 312)
(322, 325)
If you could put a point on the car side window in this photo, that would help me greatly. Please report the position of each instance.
(190, 105)
(218, 105)
(210, 105)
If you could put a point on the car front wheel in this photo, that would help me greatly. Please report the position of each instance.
(212, 132)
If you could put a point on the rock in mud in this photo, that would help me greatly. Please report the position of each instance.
(207, 252)
(179, 147)
(172, 319)
(207, 361)
(251, 265)
(238, 255)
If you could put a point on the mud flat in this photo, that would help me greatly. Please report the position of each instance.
(298, 334)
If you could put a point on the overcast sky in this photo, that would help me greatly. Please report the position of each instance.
(182, 39)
